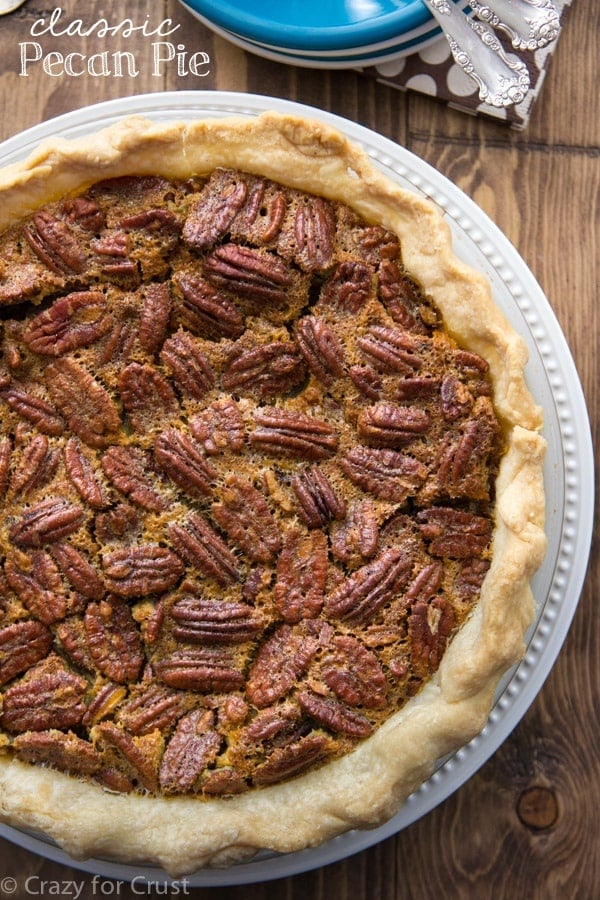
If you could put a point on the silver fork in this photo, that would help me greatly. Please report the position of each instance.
(502, 81)
(530, 24)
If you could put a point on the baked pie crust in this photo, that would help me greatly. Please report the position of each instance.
(365, 783)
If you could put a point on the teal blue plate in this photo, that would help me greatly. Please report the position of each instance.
(314, 24)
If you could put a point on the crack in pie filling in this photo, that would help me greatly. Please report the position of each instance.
(271, 491)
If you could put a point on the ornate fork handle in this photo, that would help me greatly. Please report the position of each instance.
(502, 81)
(530, 24)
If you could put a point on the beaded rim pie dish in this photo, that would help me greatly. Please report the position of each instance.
(454, 704)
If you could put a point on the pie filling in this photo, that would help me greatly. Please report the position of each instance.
(247, 483)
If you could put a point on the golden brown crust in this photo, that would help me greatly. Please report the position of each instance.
(364, 787)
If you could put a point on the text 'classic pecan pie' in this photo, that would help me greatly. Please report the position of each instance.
(271, 491)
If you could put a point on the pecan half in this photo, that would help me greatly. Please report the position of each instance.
(111, 255)
(249, 272)
(294, 758)
(155, 315)
(321, 348)
(386, 474)
(153, 221)
(83, 212)
(426, 584)
(194, 745)
(201, 621)
(367, 381)
(392, 426)
(401, 296)
(182, 460)
(36, 410)
(417, 388)
(202, 548)
(362, 594)
(314, 232)
(456, 398)
(429, 627)
(81, 472)
(274, 724)
(55, 244)
(87, 406)
(286, 433)
(244, 514)
(213, 211)
(374, 243)
(6, 452)
(48, 696)
(455, 533)
(73, 640)
(267, 369)
(463, 467)
(188, 365)
(152, 706)
(21, 646)
(74, 321)
(104, 702)
(152, 626)
(206, 312)
(114, 640)
(280, 661)
(302, 569)
(470, 578)
(126, 469)
(354, 674)
(46, 522)
(37, 466)
(391, 350)
(233, 711)
(350, 286)
(334, 715)
(224, 781)
(65, 752)
(319, 503)
(201, 669)
(472, 363)
(358, 536)
(146, 395)
(78, 571)
(260, 219)
(141, 569)
(36, 581)
(117, 348)
(219, 427)
(140, 762)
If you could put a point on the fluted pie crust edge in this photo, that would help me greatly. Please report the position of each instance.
(368, 785)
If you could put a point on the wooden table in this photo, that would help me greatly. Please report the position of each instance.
(494, 838)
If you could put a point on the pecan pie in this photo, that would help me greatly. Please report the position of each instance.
(271, 491)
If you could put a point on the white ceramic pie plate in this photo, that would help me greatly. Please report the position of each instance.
(569, 467)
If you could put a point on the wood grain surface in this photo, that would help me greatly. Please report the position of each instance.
(527, 824)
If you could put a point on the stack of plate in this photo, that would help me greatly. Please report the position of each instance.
(322, 33)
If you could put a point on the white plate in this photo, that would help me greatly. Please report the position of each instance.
(569, 467)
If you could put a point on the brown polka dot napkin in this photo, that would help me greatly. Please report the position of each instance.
(433, 71)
